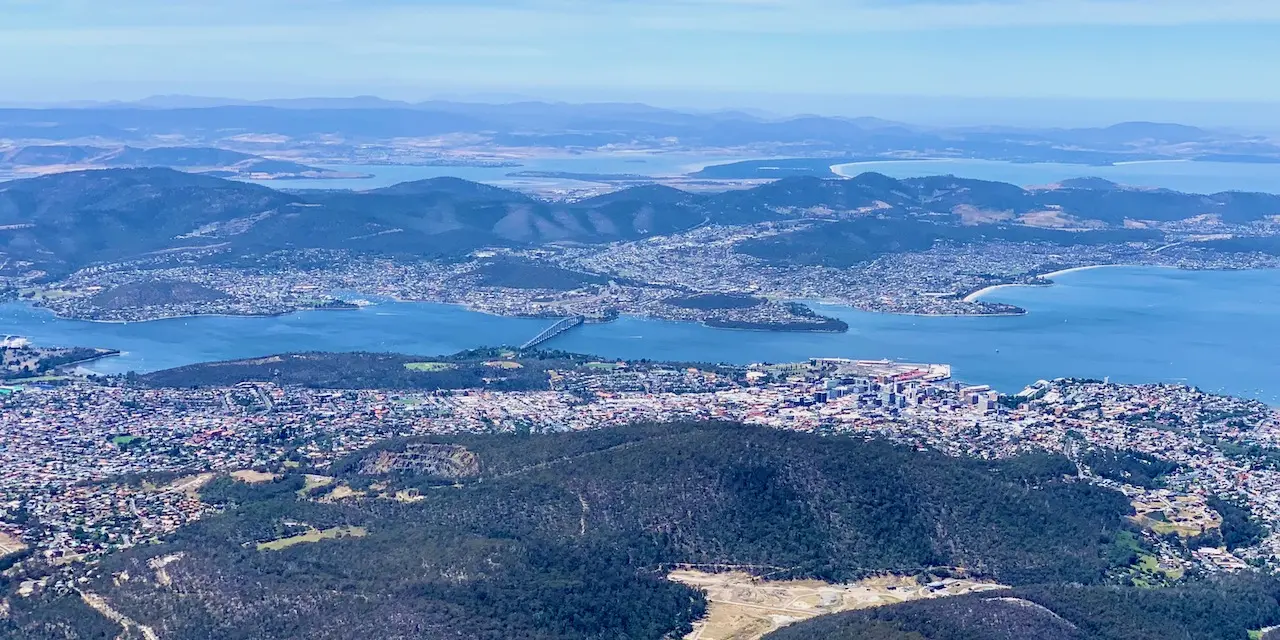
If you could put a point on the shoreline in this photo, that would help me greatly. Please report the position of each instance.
(835, 168)
(188, 316)
(72, 366)
(976, 296)
(397, 300)
(850, 306)
(181, 317)
(1123, 163)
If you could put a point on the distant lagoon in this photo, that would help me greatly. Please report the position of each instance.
(1180, 175)
(1215, 329)
(647, 164)
(1195, 177)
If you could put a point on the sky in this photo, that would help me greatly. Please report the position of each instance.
(772, 54)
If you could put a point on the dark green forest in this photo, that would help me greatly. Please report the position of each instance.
(1134, 467)
(1225, 608)
(1238, 527)
(569, 535)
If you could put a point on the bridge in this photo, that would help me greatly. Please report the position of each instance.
(562, 325)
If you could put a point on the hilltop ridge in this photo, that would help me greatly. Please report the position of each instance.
(65, 221)
(223, 163)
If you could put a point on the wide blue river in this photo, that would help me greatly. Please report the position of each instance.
(1197, 177)
(1218, 330)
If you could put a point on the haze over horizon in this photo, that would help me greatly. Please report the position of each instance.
(1025, 62)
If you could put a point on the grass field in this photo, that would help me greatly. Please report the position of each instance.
(1148, 571)
(249, 476)
(503, 364)
(311, 481)
(124, 441)
(1164, 527)
(430, 367)
(314, 535)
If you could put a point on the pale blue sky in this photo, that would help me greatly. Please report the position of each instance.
(1196, 50)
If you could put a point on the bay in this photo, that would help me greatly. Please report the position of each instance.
(1192, 177)
(646, 164)
(1217, 330)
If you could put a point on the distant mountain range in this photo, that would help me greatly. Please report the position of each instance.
(64, 221)
(594, 126)
(207, 160)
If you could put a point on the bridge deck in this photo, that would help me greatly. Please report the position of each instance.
(562, 325)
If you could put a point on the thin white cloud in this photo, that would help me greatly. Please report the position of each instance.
(667, 43)
(853, 16)
(529, 19)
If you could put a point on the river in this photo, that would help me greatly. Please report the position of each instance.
(645, 164)
(1197, 177)
(1216, 330)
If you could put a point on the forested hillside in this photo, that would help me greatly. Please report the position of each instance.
(65, 221)
(568, 536)
(1225, 608)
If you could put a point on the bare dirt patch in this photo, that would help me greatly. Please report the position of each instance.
(161, 565)
(189, 485)
(1188, 516)
(1055, 219)
(971, 215)
(99, 604)
(10, 544)
(444, 460)
(249, 476)
(743, 607)
(341, 492)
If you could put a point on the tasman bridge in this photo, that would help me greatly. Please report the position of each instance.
(562, 325)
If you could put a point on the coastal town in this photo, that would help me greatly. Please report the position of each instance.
(95, 465)
(103, 464)
(654, 277)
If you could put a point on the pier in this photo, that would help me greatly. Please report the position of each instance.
(562, 325)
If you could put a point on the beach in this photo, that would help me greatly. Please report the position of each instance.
(838, 169)
(977, 295)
